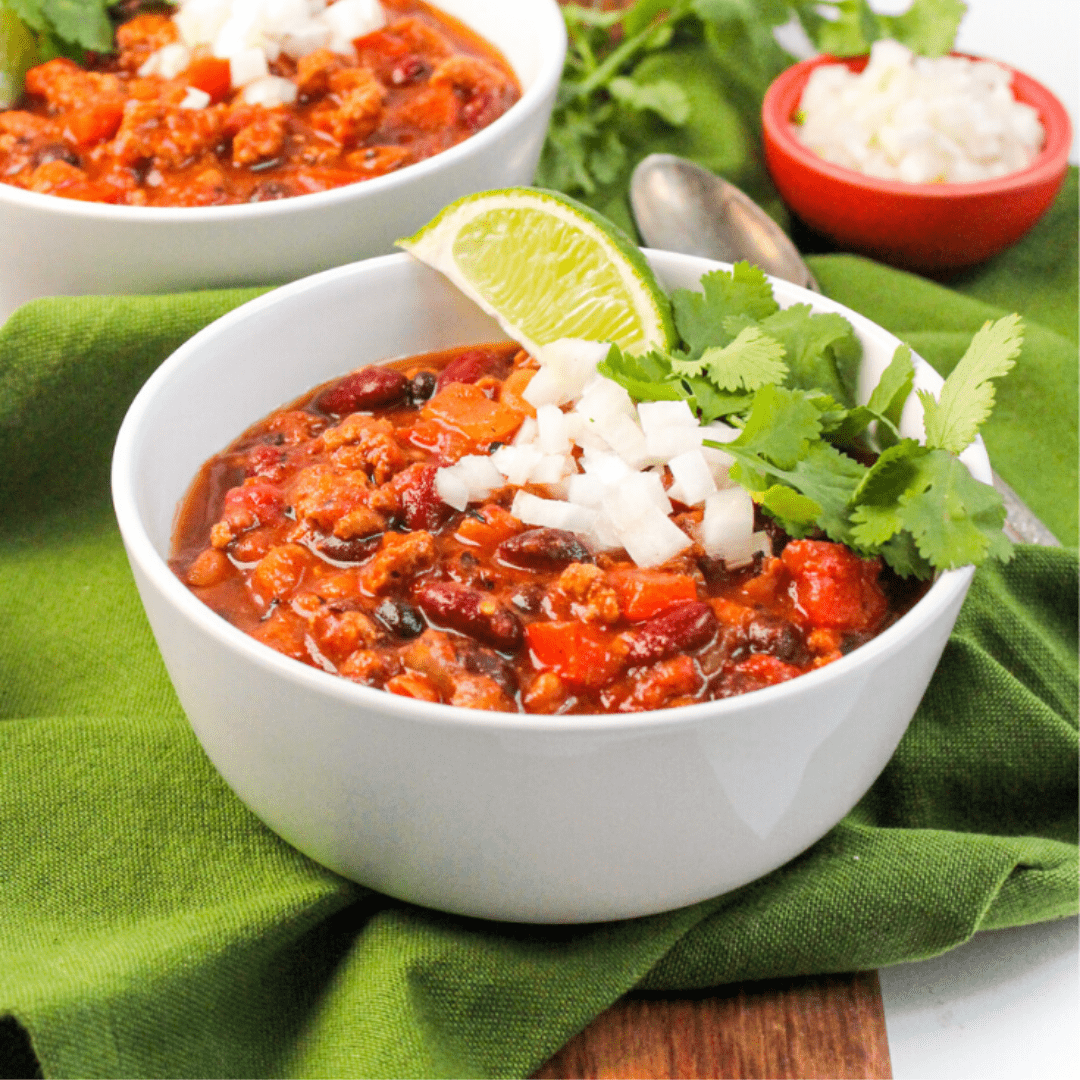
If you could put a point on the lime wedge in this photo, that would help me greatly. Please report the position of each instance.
(546, 268)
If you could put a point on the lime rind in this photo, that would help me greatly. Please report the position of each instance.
(547, 267)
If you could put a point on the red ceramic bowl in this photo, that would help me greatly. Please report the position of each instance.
(930, 228)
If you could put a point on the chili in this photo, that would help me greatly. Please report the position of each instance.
(101, 132)
(321, 533)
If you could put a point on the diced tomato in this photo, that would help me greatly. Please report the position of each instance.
(834, 587)
(467, 408)
(644, 593)
(69, 182)
(514, 387)
(89, 126)
(579, 653)
(764, 590)
(767, 669)
(445, 444)
(261, 499)
(497, 525)
(211, 75)
(413, 685)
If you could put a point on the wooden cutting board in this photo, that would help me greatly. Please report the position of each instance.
(829, 1026)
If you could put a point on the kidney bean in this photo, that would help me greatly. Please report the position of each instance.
(410, 69)
(473, 365)
(422, 386)
(400, 618)
(369, 388)
(778, 637)
(354, 550)
(469, 611)
(543, 549)
(421, 506)
(678, 630)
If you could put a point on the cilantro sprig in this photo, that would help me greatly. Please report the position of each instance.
(813, 458)
(689, 76)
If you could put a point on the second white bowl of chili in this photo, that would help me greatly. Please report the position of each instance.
(78, 245)
(502, 815)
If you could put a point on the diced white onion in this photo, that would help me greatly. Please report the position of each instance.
(527, 432)
(195, 99)
(515, 462)
(917, 119)
(270, 91)
(623, 435)
(652, 537)
(247, 66)
(168, 61)
(728, 525)
(552, 513)
(551, 430)
(451, 487)
(566, 366)
(662, 444)
(550, 469)
(350, 19)
(662, 415)
(692, 476)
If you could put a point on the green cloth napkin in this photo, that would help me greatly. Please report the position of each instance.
(151, 926)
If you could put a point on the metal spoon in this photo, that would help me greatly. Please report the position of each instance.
(679, 206)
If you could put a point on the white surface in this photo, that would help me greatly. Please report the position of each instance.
(1002, 1007)
(63, 247)
(499, 815)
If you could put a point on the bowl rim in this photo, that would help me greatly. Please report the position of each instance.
(549, 72)
(948, 586)
(1051, 161)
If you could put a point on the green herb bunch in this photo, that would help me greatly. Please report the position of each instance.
(688, 77)
(813, 458)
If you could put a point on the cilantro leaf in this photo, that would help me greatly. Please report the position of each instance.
(830, 478)
(645, 378)
(954, 519)
(903, 556)
(664, 97)
(895, 474)
(813, 343)
(747, 363)
(713, 403)
(928, 27)
(797, 514)
(699, 316)
(967, 397)
(781, 426)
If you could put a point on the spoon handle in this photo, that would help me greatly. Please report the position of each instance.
(1021, 524)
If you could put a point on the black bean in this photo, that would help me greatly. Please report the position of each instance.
(56, 151)
(400, 617)
(422, 386)
(779, 638)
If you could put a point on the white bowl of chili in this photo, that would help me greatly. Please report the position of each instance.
(502, 815)
(56, 246)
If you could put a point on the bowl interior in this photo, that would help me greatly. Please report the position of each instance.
(530, 34)
(272, 350)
